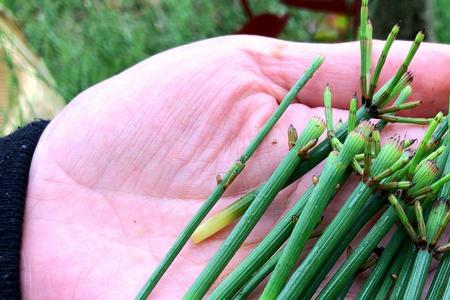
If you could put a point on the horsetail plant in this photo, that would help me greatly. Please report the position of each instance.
(237, 209)
(389, 90)
(405, 272)
(434, 228)
(398, 108)
(271, 243)
(373, 205)
(389, 160)
(403, 217)
(387, 285)
(436, 137)
(335, 143)
(443, 273)
(380, 63)
(259, 276)
(352, 113)
(266, 248)
(276, 182)
(385, 165)
(323, 192)
(440, 279)
(405, 120)
(368, 290)
(446, 294)
(391, 175)
(365, 38)
(230, 175)
(400, 72)
(369, 210)
(424, 176)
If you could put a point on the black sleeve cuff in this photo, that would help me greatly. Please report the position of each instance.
(16, 152)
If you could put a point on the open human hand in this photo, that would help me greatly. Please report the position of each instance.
(120, 171)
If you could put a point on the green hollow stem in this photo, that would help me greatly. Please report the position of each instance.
(349, 268)
(257, 208)
(420, 222)
(446, 295)
(432, 188)
(371, 208)
(403, 217)
(387, 285)
(346, 289)
(335, 142)
(403, 96)
(438, 134)
(371, 240)
(259, 276)
(433, 155)
(232, 283)
(324, 191)
(317, 154)
(321, 151)
(367, 158)
(397, 108)
(441, 227)
(368, 48)
(328, 112)
(434, 230)
(405, 120)
(223, 218)
(400, 164)
(373, 205)
(263, 251)
(382, 59)
(369, 289)
(230, 175)
(376, 136)
(364, 45)
(262, 273)
(395, 185)
(418, 276)
(303, 219)
(423, 145)
(440, 279)
(405, 273)
(352, 113)
(339, 226)
(402, 69)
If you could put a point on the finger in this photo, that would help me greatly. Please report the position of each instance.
(282, 62)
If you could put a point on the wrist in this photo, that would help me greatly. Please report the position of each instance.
(16, 151)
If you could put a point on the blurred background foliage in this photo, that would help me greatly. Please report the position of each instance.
(83, 42)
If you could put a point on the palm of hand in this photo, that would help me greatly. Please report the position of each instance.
(121, 170)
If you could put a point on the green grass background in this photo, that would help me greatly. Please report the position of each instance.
(86, 41)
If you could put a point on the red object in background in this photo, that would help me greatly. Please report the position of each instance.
(267, 24)
(272, 25)
(345, 7)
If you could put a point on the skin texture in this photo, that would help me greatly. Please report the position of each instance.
(119, 172)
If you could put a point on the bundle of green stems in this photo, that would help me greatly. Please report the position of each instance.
(400, 189)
